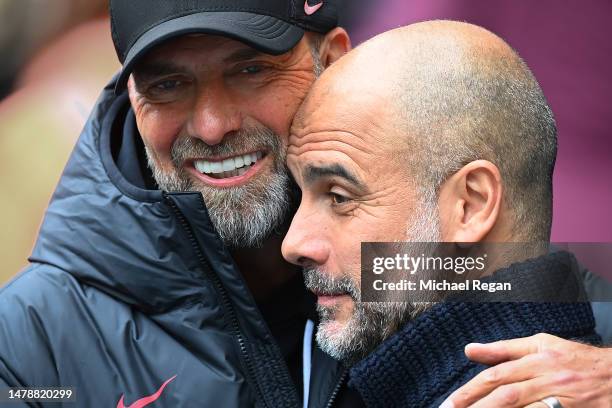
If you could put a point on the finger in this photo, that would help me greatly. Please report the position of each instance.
(519, 395)
(528, 367)
(505, 350)
(537, 405)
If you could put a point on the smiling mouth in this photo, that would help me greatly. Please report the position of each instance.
(229, 167)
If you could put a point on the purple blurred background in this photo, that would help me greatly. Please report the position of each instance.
(568, 46)
(56, 61)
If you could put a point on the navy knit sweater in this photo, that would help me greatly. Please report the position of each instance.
(424, 362)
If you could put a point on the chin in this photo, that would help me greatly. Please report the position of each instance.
(340, 340)
(332, 329)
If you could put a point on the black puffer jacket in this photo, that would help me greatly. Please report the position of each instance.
(129, 287)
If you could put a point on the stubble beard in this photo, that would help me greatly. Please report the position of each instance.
(370, 323)
(244, 216)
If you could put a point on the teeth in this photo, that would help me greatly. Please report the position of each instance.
(216, 167)
(200, 166)
(229, 167)
(239, 161)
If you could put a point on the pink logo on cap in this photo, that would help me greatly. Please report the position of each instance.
(310, 10)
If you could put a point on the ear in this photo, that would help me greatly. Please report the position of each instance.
(470, 202)
(335, 44)
(131, 88)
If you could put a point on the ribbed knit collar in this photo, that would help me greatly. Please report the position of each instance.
(423, 361)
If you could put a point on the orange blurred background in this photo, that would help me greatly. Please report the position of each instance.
(59, 71)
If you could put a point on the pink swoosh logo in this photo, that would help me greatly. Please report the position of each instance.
(310, 10)
(143, 402)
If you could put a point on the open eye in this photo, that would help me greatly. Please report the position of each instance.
(252, 69)
(168, 85)
(338, 199)
(166, 89)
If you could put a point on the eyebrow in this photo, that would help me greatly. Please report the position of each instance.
(242, 55)
(313, 173)
(147, 71)
(151, 70)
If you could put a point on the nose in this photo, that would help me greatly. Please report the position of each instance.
(305, 242)
(215, 114)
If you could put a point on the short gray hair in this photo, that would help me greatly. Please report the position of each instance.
(462, 103)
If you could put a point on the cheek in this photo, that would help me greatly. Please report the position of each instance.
(392, 229)
(159, 128)
(276, 107)
(366, 229)
(386, 222)
(346, 253)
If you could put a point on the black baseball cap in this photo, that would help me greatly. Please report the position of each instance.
(271, 26)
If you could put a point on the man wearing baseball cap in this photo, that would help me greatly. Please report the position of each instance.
(157, 274)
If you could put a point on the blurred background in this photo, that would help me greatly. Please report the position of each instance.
(58, 54)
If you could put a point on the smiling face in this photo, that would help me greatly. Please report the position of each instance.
(343, 153)
(214, 115)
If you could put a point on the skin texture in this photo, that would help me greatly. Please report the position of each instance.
(213, 108)
(208, 96)
(335, 214)
(350, 121)
(208, 87)
(348, 125)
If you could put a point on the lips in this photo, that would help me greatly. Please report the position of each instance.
(320, 293)
(327, 294)
(228, 167)
(230, 171)
(331, 300)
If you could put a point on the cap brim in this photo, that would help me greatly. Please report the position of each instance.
(267, 34)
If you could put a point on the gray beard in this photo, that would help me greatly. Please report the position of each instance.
(371, 323)
(243, 216)
(246, 215)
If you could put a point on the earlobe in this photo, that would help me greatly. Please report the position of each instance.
(131, 88)
(335, 44)
(470, 202)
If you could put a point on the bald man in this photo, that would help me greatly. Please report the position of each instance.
(433, 132)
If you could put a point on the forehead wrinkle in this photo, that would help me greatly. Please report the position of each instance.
(243, 54)
(323, 136)
(192, 47)
(336, 147)
(352, 123)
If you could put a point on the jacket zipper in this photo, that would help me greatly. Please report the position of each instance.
(225, 300)
(336, 390)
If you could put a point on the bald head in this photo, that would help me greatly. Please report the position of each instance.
(449, 93)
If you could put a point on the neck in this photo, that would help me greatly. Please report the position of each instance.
(502, 254)
(264, 268)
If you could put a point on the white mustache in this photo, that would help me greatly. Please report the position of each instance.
(320, 282)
